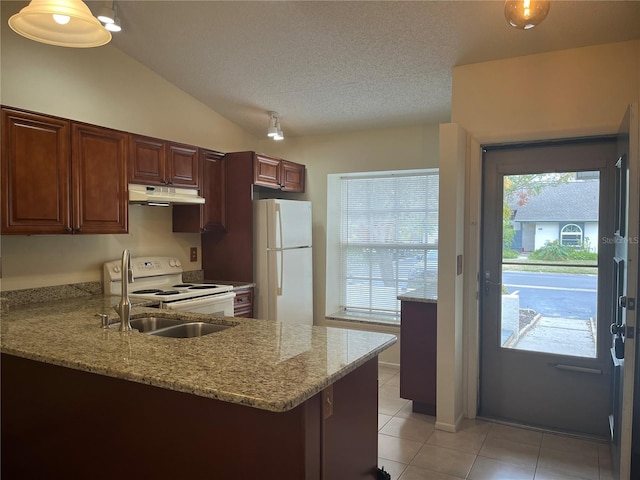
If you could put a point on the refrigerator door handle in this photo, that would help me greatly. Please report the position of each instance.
(279, 217)
(281, 276)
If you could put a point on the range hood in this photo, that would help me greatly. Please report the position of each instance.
(163, 196)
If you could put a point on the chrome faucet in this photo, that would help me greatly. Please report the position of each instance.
(124, 308)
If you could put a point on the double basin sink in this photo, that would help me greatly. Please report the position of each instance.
(174, 328)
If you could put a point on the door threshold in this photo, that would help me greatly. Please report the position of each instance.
(579, 436)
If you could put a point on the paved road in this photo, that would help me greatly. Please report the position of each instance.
(555, 294)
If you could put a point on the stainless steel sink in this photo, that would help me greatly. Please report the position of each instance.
(188, 330)
(149, 324)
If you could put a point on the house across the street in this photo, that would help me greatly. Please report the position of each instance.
(566, 213)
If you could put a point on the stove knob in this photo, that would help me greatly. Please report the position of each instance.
(178, 263)
(116, 269)
(172, 262)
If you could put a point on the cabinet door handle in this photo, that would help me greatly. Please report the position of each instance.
(68, 230)
(78, 230)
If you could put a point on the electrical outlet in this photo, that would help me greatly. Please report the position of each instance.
(194, 254)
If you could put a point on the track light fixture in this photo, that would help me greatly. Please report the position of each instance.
(526, 14)
(274, 131)
(107, 15)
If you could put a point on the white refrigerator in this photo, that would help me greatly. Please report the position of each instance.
(282, 262)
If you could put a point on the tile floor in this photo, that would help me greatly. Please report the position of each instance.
(410, 448)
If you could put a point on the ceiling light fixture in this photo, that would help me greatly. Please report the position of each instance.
(64, 23)
(526, 14)
(106, 13)
(274, 131)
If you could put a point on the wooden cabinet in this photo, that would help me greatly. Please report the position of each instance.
(277, 173)
(61, 177)
(99, 175)
(212, 215)
(49, 415)
(418, 355)
(243, 303)
(157, 162)
(228, 254)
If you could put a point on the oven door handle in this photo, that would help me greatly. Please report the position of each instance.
(193, 302)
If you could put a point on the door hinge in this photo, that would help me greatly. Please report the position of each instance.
(630, 334)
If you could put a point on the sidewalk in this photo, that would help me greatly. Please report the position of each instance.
(564, 336)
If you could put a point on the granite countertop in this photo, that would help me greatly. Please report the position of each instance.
(428, 294)
(258, 363)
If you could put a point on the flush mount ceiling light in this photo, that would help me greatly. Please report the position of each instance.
(274, 131)
(65, 23)
(526, 14)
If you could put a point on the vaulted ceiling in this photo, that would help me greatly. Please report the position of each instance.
(330, 66)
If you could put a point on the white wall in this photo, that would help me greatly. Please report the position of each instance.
(546, 232)
(568, 93)
(101, 86)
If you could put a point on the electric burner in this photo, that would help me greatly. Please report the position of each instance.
(169, 292)
(202, 287)
(147, 290)
(183, 285)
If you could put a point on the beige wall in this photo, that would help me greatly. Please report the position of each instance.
(101, 86)
(568, 93)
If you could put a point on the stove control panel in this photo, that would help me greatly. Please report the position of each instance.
(143, 267)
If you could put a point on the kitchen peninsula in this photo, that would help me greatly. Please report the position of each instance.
(259, 400)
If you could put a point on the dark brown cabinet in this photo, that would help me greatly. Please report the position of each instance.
(418, 355)
(61, 177)
(332, 435)
(243, 303)
(157, 162)
(228, 254)
(274, 172)
(212, 215)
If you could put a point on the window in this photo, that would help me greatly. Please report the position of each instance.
(571, 235)
(388, 241)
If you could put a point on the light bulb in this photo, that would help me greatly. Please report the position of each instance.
(526, 14)
(113, 27)
(61, 19)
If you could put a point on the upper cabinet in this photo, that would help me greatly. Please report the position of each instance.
(277, 173)
(158, 162)
(211, 216)
(61, 177)
(228, 253)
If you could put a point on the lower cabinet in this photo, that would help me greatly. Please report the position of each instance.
(60, 423)
(418, 355)
(243, 303)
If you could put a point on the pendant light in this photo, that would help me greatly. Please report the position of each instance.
(65, 23)
(526, 14)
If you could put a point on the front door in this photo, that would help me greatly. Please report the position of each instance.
(625, 276)
(546, 284)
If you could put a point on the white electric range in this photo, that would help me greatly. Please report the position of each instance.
(160, 279)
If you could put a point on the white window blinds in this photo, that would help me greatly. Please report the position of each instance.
(388, 240)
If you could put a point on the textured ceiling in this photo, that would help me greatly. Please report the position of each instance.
(327, 66)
